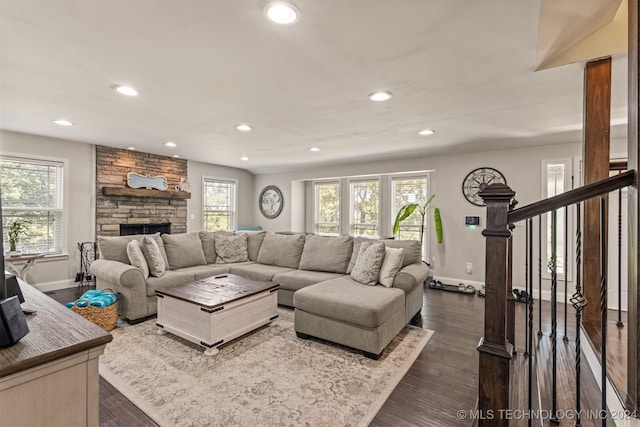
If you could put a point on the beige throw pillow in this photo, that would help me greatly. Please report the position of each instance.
(136, 257)
(231, 248)
(367, 267)
(391, 264)
(153, 256)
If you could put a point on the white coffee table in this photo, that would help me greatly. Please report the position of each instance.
(213, 311)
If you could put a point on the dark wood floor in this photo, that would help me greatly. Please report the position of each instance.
(440, 383)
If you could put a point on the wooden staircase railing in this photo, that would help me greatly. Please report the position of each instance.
(495, 349)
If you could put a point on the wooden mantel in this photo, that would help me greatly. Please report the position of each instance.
(143, 192)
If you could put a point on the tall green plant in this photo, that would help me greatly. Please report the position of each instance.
(406, 211)
(17, 229)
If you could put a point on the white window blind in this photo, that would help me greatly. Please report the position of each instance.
(32, 190)
(219, 205)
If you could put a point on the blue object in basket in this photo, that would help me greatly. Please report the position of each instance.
(96, 298)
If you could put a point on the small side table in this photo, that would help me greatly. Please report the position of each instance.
(21, 271)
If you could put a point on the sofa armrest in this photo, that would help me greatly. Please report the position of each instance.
(410, 276)
(117, 272)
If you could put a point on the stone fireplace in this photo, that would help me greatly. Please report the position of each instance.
(118, 204)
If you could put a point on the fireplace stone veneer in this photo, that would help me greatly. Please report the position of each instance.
(115, 208)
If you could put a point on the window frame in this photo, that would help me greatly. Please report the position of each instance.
(233, 223)
(546, 218)
(394, 210)
(378, 225)
(63, 177)
(316, 207)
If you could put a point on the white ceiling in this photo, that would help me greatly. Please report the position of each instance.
(462, 67)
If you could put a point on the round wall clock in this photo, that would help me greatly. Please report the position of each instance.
(270, 201)
(476, 180)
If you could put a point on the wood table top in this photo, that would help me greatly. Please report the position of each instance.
(217, 290)
(23, 257)
(55, 331)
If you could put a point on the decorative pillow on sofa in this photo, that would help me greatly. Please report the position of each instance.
(115, 247)
(367, 267)
(184, 250)
(136, 257)
(208, 239)
(231, 248)
(153, 256)
(323, 253)
(391, 264)
(283, 250)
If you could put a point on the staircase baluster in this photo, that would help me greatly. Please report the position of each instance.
(540, 275)
(603, 306)
(530, 311)
(565, 267)
(579, 302)
(554, 319)
(619, 323)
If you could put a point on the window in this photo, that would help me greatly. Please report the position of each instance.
(327, 208)
(365, 207)
(32, 190)
(556, 178)
(219, 205)
(408, 190)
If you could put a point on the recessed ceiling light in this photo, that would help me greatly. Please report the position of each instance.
(243, 127)
(63, 122)
(170, 144)
(426, 132)
(380, 96)
(126, 90)
(244, 158)
(176, 156)
(282, 13)
(131, 148)
(314, 149)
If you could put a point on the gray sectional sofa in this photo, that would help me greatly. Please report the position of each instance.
(312, 273)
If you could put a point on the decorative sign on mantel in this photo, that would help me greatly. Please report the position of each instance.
(136, 180)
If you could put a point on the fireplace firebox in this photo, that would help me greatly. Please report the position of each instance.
(157, 227)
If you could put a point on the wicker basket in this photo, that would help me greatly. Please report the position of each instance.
(105, 317)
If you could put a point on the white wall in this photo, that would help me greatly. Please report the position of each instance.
(521, 167)
(60, 271)
(245, 193)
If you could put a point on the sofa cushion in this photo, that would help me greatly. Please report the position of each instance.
(254, 243)
(169, 279)
(153, 256)
(257, 271)
(115, 247)
(367, 267)
(298, 279)
(203, 271)
(412, 250)
(136, 257)
(184, 249)
(281, 250)
(322, 253)
(209, 245)
(349, 301)
(231, 248)
(391, 264)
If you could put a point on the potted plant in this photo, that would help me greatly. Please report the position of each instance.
(407, 210)
(17, 229)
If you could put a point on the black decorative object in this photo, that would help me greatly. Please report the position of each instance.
(13, 288)
(271, 201)
(476, 180)
(88, 252)
(13, 325)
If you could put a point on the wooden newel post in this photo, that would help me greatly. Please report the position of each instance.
(495, 351)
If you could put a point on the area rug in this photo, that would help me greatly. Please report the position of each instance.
(265, 378)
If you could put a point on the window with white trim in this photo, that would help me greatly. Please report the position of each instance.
(556, 179)
(32, 190)
(327, 208)
(219, 204)
(364, 207)
(408, 190)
